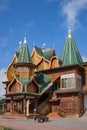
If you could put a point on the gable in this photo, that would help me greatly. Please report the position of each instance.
(44, 64)
(14, 86)
(32, 87)
(54, 62)
(35, 57)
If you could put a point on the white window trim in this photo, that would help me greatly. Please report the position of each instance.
(67, 76)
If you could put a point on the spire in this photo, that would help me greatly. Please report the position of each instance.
(25, 41)
(69, 32)
(24, 55)
(43, 47)
(70, 54)
(20, 44)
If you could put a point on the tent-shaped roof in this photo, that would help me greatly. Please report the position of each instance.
(23, 54)
(70, 54)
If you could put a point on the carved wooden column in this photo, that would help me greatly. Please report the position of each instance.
(27, 107)
(24, 105)
(12, 105)
(36, 107)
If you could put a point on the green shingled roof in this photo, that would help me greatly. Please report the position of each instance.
(23, 80)
(23, 54)
(70, 54)
(43, 80)
(47, 54)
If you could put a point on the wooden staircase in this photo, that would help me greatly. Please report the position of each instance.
(44, 107)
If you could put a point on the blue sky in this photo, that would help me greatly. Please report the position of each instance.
(43, 21)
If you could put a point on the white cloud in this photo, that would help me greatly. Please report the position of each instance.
(71, 9)
(84, 58)
(4, 5)
(2, 78)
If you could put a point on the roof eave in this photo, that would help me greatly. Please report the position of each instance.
(24, 64)
(62, 67)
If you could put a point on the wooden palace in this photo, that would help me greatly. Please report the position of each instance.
(42, 82)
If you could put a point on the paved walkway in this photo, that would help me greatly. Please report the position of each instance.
(55, 123)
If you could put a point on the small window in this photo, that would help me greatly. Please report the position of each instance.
(19, 69)
(25, 69)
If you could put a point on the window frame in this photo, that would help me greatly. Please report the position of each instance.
(25, 69)
(68, 81)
